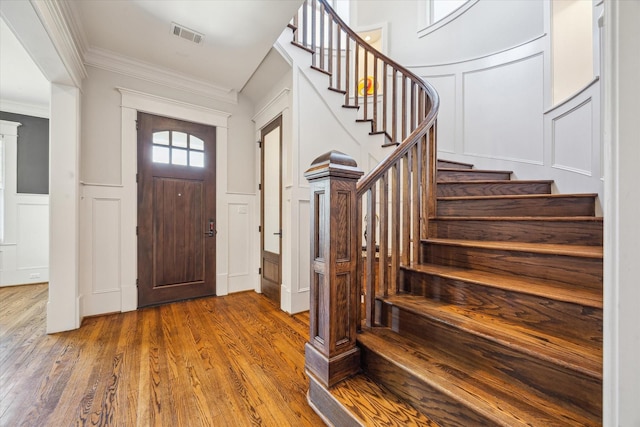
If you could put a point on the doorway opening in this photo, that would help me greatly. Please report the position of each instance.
(270, 210)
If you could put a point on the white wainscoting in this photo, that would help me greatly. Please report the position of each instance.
(242, 242)
(502, 111)
(304, 252)
(446, 86)
(24, 254)
(24, 248)
(108, 253)
(571, 132)
(495, 114)
(101, 249)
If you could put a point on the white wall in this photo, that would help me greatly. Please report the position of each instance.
(479, 31)
(313, 123)
(24, 250)
(622, 207)
(492, 66)
(40, 29)
(571, 46)
(108, 199)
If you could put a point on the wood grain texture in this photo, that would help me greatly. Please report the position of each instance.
(555, 230)
(576, 323)
(423, 319)
(546, 289)
(176, 204)
(496, 188)
(446, 174)
(226, 361)
(518, 205)
(456, 391)
(573, 265)
(372, 405)
(450, 164)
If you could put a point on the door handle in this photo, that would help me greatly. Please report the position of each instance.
(278, 234)
(212, 229)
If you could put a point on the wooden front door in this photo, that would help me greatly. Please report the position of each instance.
(176, 210)
(271, 236)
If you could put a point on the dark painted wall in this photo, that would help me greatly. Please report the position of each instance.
(33, 153)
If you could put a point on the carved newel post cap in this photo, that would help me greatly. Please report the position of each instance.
(334, 164)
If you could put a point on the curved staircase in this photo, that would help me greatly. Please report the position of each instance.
(488, 308)
(500, 323)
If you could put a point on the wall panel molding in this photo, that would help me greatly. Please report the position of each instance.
(502, 110)
(572, 139)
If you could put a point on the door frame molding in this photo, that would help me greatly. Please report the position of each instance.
(275, 123)
(278, 105)
(132, 102)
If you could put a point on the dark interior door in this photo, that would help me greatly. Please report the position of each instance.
(271, 196)
(176, 210)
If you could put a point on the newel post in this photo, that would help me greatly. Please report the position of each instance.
(331, 354)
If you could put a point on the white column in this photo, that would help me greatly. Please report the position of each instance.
(621, 386)
(64, 152)
(9, 135)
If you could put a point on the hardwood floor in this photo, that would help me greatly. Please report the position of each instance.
(223, 361)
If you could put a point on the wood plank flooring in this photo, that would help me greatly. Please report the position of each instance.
(223, 361)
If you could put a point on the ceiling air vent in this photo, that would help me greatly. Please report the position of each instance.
(186, 33)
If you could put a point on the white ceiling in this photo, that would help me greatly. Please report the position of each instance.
(237, 34)
(21, 81)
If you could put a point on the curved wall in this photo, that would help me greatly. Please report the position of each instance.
(492, 68)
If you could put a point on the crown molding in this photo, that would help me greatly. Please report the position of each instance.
(110, 61)
(15, 107)
(74, 23)
(56, 18)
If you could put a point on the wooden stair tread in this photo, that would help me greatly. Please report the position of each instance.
(521, 196)
(313, 67)
(460, 379)
(373, 405)
(496, 181)
(522, 284)
(540, 248)
(340, 91)
(532, 342)
(471, 171)
(521, 218)
(465, 165)
(303, 47)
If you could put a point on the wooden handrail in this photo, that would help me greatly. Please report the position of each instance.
(394, 201)
(376, 173)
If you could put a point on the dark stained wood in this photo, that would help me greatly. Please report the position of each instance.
(176, 259)
(504, 326)
(558, 230)
(493, 188)
(519, 205)
(331, 354)
(554, 291)
(446, 174)
(458, 391)
(359, 401)
(450, 164)
(225, 361)
(518, 305)
(271, 262)
(549, 364)
(573, 265)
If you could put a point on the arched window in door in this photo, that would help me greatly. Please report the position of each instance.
(178, 148)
